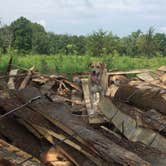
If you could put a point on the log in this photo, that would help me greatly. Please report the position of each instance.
(145, 97)
(60, 115)
(27, 78)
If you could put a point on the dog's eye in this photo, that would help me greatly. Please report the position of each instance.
(98, 66)
(92, 66)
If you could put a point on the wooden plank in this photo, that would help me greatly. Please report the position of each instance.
(40, 127)
(136, 71)
(162, 68)
(50, 135)
(17, 156)
(94, 116)
(146, 77)
(11, 83)
(129, 128)
(20, 136)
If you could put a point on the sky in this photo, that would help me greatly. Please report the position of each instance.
(82, 17)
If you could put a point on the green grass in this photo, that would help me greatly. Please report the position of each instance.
(71, 64)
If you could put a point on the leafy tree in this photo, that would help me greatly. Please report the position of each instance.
(96, 43)
(22, 34)
(40, 41)
(5, 38)
(146, 43)
(160, 39)
(129, 43)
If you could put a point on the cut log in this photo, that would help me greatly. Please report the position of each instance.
(145, 97)
(27, 78)
(60, 115)
(17, 156)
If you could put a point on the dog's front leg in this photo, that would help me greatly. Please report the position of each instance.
(92, 110)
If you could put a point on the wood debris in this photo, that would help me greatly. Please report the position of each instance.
(54, 124)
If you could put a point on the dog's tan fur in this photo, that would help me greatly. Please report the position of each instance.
(95, 82)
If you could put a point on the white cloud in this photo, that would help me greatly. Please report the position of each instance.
(163, 29)
(82, 15)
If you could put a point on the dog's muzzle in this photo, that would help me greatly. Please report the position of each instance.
(95, 76)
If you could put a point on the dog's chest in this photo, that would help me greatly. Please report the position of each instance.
(96, 88)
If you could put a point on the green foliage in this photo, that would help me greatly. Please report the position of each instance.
(28, 37)
(22, 34)
(74, 63)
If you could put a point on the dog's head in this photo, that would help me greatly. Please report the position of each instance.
(96, 71)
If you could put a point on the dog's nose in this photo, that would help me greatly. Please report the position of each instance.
(94, 72)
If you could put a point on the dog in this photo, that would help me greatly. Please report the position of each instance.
(97, 72)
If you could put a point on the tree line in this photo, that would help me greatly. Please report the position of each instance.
(27, 37)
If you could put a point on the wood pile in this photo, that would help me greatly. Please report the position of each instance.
(46, 120)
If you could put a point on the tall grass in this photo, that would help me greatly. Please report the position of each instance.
(73, 63)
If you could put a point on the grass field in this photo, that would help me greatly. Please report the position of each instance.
(71, 64)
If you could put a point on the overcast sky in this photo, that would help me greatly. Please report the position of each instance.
(84, 16)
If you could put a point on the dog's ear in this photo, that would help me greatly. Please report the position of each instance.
(103, 65)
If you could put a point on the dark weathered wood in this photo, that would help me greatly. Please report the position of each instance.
(20, 136)
(17, 156)
(150, 119)
(67, 147)
(60, 115)
(128, 126)
(42, 128)
(155, 120)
